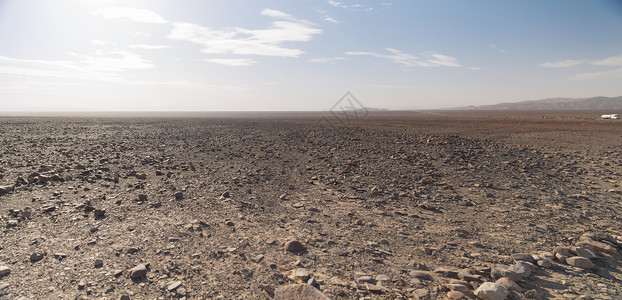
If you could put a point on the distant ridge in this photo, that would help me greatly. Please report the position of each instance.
(593, 103)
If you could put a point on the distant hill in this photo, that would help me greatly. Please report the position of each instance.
(593, 103)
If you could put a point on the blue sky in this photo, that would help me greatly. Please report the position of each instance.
(155, 55)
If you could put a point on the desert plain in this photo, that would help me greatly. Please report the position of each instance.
(385, 205)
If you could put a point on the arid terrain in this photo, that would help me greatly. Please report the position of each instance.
(392, 205)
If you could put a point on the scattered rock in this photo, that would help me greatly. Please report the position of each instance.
(491, 291)
(456, 295)
(421, 294)
(545, 263)
(138, 271)
(458, 287)
(173, 285)
(420, 274)
(510, 285)
(300, 291)
(294, 246)
(523, 257)
(580, 262)
(4, 270)
(98, 263)
(36, 256)
(522, 269)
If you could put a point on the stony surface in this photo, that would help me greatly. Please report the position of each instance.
(298, 291)
(384, 208)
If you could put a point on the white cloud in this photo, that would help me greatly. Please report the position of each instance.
(326, 59)
(241, 41)
(405, 59)
(136, 14)
(563, 64)
(115, 61)
(611, 61)
(609, 74)
(98, 42)
(330, 19)
(615, 61)
(276, 14)
(142, 46)
(233, 62)
(498, 49)
(444, 60)
(335, 3)
(106, 66)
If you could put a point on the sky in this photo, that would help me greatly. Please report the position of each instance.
(187, 55)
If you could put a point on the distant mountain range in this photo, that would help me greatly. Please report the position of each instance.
(593, 103)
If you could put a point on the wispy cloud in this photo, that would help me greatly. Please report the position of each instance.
(232, 62)
(609, 74)
(136, 14)
(105, 66)
(408, 60)
(563, 63)
(330, 19)
(336, 4)
(142, 46)
(495, 47)
(326, 59)
(609, 61)
(242, 41)
(276, 14)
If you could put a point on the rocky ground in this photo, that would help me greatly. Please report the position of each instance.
(403, 206)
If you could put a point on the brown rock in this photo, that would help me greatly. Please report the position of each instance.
(455, 295)
(294, 246)
(510, 285)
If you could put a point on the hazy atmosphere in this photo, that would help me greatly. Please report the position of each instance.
(303, 55)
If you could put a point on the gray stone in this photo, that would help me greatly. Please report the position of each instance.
(138, 271)
(420, 274)
(545, 263)
(421, 294)
(364, 279)
(173, 285)
(510, 285)
(383, 277)
(179, 195)
(498, 272)
(491, 291)
(4, 270)
(580, 262)
(458, 287)
(522, 269)
(36, 256)
(300, 291)
(584, 252)
(98, 263)
(522, 257)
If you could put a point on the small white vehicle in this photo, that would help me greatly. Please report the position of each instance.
(610, 117)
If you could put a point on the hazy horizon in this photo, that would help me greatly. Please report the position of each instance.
(137, 55)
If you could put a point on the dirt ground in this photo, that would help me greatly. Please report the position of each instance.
(391, 205)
